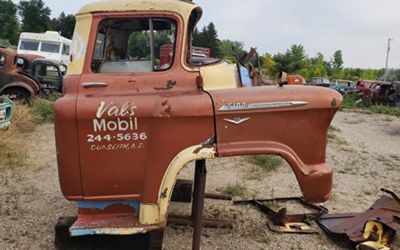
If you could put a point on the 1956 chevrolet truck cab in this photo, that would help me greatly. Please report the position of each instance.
(129, 122)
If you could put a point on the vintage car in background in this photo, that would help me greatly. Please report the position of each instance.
(320, 82)
(362, 84)
(128, 123)
(343, 86)
(6, 109)
(13, 83)
(24, 62)
(49, 73)
(25, 76)
(379, 92)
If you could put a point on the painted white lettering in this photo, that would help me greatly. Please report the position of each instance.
(99, 125)
(112, 125)
(114, 110)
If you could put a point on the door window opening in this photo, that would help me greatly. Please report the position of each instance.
(134, 45)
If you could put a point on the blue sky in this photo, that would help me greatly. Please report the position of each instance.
(359, 28)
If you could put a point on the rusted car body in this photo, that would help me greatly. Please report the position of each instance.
(296, 80)
(24, 62)
(127, 124)
(13, 83)
(49, 73)
(379, 92)
(320, 82)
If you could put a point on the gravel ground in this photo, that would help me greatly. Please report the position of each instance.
(363, 149)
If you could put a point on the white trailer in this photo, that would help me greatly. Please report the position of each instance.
(50, 45)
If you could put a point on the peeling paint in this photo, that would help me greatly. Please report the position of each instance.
(107, 231)
(164, 193)
(170, 85)
(334, 103)
(106, 204)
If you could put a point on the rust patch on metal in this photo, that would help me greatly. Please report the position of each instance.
(164, 193)
(334, 103)
(170, 85)
(167, 109)
(207, 144)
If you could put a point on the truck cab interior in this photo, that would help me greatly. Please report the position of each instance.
(133, 45)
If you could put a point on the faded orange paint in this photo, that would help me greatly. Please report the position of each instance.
(174, 120)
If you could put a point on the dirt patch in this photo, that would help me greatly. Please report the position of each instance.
(362, 150)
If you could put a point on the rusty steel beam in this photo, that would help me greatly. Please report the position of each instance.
(182, 220)
(198, 202)
(218, 197)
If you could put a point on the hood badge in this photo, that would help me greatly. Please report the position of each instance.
(237, 120)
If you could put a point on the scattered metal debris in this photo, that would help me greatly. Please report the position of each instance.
(376, 228)
(281, 222)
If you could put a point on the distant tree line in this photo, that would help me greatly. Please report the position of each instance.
(34, 16)
(293, 61)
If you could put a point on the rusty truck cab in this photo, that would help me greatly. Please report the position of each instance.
(129, 122)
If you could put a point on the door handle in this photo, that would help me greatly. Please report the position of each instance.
(94, 84)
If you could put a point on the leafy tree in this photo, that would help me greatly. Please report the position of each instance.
(297, 56)
(9, 28)
(269, 66)
(318, 66)
(35, 16)
(282, 62)
(212, 40)
(337, 60)
(231, 50)
(208, 38)
(139, 45)
(64, 24)
(292, 61)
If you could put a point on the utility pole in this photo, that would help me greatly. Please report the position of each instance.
(390, 40)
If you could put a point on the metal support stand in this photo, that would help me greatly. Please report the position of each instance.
(196, 218)
(198, 202)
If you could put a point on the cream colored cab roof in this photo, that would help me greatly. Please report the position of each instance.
(179, 6)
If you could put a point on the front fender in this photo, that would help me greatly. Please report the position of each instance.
(290, 121)
(23, 85)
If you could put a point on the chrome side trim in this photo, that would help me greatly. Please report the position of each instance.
(94, 84)
(265, 105)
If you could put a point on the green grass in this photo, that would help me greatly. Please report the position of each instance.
(266, 162)
(395, 157)
(350, 102)
(234, 190)
(43, 109)
(388, 110)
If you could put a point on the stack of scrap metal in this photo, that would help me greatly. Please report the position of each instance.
(376, 228)
(5, 112)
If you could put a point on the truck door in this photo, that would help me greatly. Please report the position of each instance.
(118, 104)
